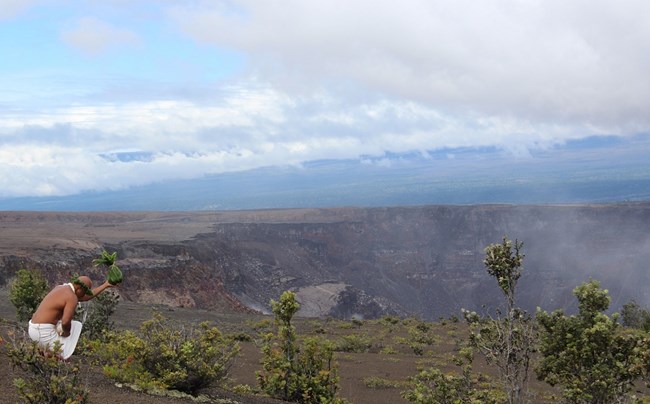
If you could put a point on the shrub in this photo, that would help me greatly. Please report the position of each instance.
(26, 292)
(420, 334)
(392, 320)
(168, 356)
(303, 373)
(587, 354)
(388, 350)
(634, 316)
(433, 386)
(376, 383)
(46, 379)
(353, 343)
(97, 313)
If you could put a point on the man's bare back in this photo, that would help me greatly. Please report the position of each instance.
(58, 305)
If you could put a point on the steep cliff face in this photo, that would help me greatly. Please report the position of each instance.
(424, 261)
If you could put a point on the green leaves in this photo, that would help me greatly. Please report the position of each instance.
(114, 273)
(588, 354)
(504, 264)
(170, 355)
(26, 292)
(303, 373)
(106, 259)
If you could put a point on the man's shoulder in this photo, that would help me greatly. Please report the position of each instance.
(64, 291)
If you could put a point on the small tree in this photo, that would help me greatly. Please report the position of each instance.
(587, 354)
(507, 342)
(26, 292)
(304, 374)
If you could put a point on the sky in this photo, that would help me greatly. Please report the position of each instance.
(111, 94)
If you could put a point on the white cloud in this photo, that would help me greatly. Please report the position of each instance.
(11, 8)
(94, 36)
(579, 61)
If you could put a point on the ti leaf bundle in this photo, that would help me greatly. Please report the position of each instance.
(114, 273)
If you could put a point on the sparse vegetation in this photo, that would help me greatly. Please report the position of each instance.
(401, 344)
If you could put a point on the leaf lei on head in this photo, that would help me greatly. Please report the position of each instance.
(84, 287)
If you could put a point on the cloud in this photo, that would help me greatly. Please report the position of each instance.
(94, 36)
(12, 8)
(564, 62)
(317, 80)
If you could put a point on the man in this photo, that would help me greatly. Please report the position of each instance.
(52, 320)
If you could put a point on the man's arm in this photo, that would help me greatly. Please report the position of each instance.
(99, 289)
(68, 314)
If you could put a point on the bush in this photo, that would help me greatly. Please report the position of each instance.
(26, 292)
(588, 355)
(299, 373)
(169, 356)
(634, 316)
(46, 379)
(377, 383)
(97, 315)
(353, 343)
(433, 386)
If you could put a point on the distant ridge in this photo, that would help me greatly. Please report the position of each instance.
(406, 180)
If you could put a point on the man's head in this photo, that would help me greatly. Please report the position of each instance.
(82, 286)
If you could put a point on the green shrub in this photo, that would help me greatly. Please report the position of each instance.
(46, 379)
(357, 322)
(97, 313)
(587, 354)
(376, 383)
(262, 326)
(420, 334)
(169, 356)
(303, 373)
(433, 386)
(241, 337)
(353, 343)
(27, 290)
(388, 350)
(392, 320)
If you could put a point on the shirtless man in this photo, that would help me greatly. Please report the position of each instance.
(52, 320)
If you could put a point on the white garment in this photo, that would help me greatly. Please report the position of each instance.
(46, 335)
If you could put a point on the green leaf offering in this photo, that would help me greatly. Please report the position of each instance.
(114, 275)
(114, 272)
(106, 259)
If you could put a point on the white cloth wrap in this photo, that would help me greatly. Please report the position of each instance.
(47, 334)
